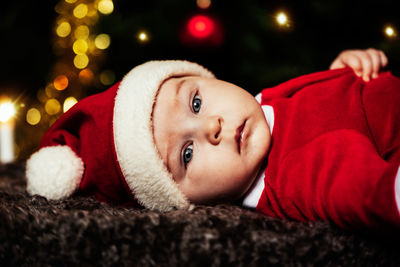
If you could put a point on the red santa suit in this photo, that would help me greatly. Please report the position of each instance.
(335, 151)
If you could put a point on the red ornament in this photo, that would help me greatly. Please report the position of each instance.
(202, 30)
(201, 26)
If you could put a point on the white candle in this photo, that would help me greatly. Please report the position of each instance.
(7, 112)
(6, 141)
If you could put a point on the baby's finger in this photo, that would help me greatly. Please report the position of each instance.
(366, 62)
(354, 62)
(337, 64)
(375, 61)
(384, 59)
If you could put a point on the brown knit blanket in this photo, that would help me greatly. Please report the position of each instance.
(81, 231)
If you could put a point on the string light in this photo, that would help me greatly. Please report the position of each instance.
(82, 32)
(33, 116)
(81, 61)
(60, 82)
(50, 90)
(105, 6)
(282, 19)
(52, 106)
(85, 76)
(102, 41)
(107, 77)
(80, 11)
(63, 29)
(143, 37)
(75, 47)
(80, 47)
(69, 102)
(203, 4)
(41, 95)
(390, 32)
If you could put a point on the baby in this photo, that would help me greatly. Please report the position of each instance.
(323, 146)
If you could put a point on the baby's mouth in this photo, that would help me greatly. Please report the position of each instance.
(239, 135)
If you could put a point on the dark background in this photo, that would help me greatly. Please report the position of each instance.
(254, 53)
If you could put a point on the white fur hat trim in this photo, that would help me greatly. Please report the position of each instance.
(140, 162)
(54, 172)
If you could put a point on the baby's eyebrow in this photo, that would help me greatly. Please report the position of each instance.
(173, 150)
(179, 87)
(173, 157)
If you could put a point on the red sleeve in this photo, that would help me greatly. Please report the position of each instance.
(338, 177)
(292, 86)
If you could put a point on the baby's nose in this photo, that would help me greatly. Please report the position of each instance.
(213, 127)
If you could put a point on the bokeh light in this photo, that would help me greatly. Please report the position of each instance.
(80, 47)
(81, 61)
(70, 1)
(200, 26)
(82, 32)
(282, 19)
(52, 106)
(102, 41)
(203, 4)
(60, 82)
(105, 6)
(50, 90)
(80, 11)
(107, 77)
(33, 116)
(86, 76)
(69, 102)
(390, 31)
(7, 111)
(63, 29)
(41, 95)
(143, 37)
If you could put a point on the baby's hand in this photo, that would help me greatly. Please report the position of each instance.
(365, 63)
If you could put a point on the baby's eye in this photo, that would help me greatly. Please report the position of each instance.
(196, 103)
(187, 154)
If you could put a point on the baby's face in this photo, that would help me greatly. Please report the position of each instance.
(211, 135)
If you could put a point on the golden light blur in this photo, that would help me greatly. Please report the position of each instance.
(69, 102)
(86, 76)
(203, 4)
(7, 110)
(80, 47)
(390, 31)
(143, 36)
(80, 11)
(107, 77)
(52, 106)
(41, 95)
(282, 19)
(81, 61)
(82, 32)
(50, 91)
(33, 116)
(70, 1)
(63, 29)
(105, 6)
(102, 41)
(60, 82)
(92, 12)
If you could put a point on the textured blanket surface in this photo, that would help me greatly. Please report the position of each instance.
(83, 232)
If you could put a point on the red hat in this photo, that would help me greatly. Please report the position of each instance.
(104, 145)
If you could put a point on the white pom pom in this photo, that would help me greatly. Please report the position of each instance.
(54, 172)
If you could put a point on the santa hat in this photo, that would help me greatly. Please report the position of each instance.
(104, 145)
